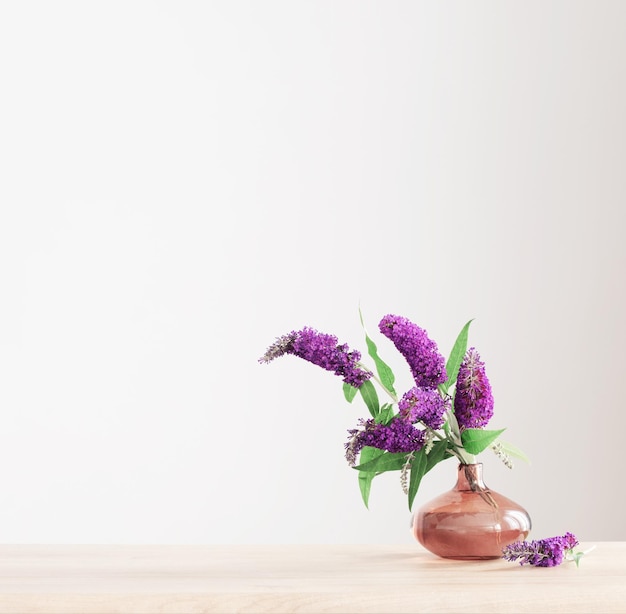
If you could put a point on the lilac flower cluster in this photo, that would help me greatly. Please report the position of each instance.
(426, 363)
(322, 350)
(397, 436)
(473, 402)
(425, 405)
(547, 552)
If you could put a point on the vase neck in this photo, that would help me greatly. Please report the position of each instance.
(470, 477)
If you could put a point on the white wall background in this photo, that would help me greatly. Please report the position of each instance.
(181, 182)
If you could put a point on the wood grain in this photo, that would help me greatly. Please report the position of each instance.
(155, 579)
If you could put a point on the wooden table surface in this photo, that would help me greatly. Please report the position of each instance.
(340, 578)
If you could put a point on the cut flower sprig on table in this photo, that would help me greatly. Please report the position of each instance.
(442, 416)
(547, 552)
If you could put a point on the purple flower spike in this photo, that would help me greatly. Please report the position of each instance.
(426, 363)
(547, 552)
(473, 403)
(423, 405)
(322, 350)
(397, 436)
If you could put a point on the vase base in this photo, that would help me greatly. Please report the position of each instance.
(471, 522)
(471, 558)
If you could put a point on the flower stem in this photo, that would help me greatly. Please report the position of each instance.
(455, 449)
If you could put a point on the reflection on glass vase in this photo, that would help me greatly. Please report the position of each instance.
(471, 521)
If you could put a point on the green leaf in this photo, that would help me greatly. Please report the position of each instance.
(365, 477)
(511, 450)
(387, 461)
(476, 440)
(349, 392)
(418, 469)
(370, 396)
(365, 485)
(386, 414)
(382, 368)
(436, 454)
(456, 358)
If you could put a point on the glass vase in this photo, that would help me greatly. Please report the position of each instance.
(471, 521)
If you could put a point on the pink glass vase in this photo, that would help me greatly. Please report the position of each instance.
(471, 521)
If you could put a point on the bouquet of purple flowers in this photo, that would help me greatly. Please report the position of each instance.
(442, 416)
